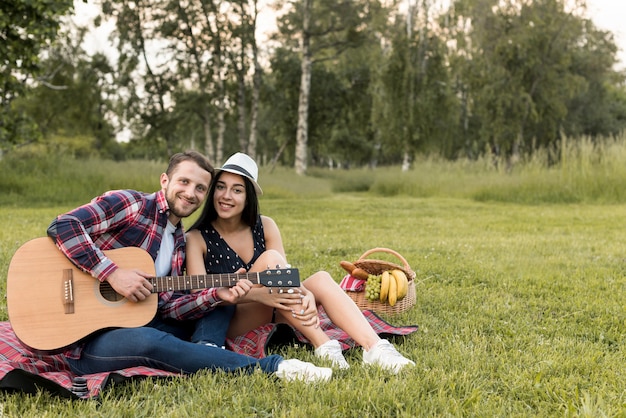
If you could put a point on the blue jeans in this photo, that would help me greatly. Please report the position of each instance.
(212, 327)
(163, 346)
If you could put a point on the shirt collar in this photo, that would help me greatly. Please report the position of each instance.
(162, 202)
(164, 207)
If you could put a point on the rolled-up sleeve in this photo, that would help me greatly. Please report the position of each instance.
(74, 232)
(189, 306)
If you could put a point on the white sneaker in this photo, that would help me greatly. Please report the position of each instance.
(331, 350)
(385, 355)
(294, 369)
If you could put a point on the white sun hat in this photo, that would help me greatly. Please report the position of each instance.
(243, 165)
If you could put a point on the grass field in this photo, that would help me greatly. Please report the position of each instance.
(521, 306)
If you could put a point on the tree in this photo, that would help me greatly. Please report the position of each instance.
(26, 27)
(598, 110)
(279, 102)
(244, 61)
(72, 95)
(181, 58)
(525, 66)
(324, 29)
(416, 107)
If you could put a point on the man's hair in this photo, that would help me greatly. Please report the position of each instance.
(194, 156)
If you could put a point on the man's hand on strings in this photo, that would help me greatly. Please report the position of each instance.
(132, 284)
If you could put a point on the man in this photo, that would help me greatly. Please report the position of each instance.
(125, 218)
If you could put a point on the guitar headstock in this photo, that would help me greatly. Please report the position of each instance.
(287, 277)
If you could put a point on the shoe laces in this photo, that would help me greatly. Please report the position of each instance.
(386, 350)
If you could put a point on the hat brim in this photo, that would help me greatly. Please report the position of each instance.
(257, 188)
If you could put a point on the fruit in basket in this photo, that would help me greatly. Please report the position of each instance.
(402, 282)
(388, 287)
(359, 273)
(393, 290)
(347, 266)
(384, 286)
(372, 287)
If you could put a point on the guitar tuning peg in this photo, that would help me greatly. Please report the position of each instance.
(277, 266)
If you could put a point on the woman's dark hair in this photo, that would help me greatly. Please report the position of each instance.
(250, 212)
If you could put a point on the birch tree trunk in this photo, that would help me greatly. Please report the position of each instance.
(305, 89)
(221, 128)
(254, 111)
(256, 88)
(241, 101)
(208, 137)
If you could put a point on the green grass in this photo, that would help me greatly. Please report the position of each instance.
(521, 313)
(521, 306)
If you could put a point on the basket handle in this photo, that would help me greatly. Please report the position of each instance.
(386, 250)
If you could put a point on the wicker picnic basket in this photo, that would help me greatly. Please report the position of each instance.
(376, 267)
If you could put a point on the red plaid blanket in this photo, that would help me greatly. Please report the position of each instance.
(24, 370)
(352, 284)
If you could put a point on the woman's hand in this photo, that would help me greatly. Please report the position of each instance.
(286, 299)
(236, 293)
(307, 312)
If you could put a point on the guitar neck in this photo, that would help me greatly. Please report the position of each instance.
(178, 283)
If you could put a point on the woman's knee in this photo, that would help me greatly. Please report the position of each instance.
(320, 278)
(270, 259)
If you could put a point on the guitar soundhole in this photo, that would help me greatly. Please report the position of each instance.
(108, 293)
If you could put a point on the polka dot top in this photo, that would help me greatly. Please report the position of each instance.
(221, 258)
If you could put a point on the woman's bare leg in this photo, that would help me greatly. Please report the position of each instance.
(341, 309)
(247, 317)
(250, 315)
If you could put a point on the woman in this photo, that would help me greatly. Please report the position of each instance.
(231, 236)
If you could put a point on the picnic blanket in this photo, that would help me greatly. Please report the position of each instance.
(24, 370)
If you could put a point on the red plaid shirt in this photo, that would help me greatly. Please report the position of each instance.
(127, 218)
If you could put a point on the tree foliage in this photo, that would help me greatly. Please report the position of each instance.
(527, 66)
(183, 53)
(72, 97)
(324, 29)
(26, 28)
(340, 84)
(417, 110)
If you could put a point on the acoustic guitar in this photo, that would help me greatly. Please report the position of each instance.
(52, 304)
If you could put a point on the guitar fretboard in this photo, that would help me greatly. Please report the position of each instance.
(176, 283)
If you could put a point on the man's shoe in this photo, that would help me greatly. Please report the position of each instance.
(294, 369)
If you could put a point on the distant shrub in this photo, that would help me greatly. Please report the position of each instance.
(54, 179)
(582, 171)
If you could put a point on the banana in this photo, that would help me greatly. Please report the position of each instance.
(393, 289)
(403, 282)
(384, 285)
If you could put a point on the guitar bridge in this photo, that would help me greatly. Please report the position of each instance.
(68, 291)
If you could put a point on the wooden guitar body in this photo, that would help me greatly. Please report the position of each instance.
(52, 304)
(38, 282)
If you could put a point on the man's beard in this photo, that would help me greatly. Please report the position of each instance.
(174, 211)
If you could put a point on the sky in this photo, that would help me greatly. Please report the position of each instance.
(606, 14)
(609, 15)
